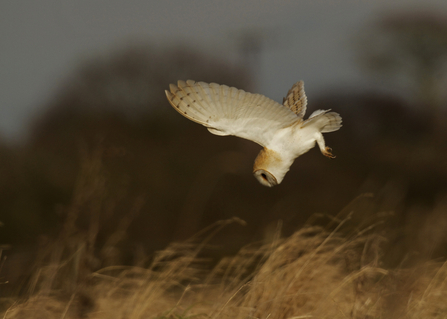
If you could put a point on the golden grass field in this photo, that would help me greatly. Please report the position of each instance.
(314, 273)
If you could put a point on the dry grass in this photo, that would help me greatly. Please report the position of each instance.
(318, 272)
(312, 274)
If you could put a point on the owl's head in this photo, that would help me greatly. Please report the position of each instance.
(270, 168)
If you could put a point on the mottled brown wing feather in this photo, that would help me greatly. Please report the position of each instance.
(296, 99)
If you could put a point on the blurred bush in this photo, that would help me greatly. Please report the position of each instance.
(409, 50)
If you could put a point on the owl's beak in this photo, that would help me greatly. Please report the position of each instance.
(265, 178)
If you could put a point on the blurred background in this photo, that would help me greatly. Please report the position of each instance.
(91, 148)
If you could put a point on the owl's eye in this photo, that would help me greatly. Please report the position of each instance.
(264, 176)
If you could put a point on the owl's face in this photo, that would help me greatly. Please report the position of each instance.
(270, 168)
(265, 178)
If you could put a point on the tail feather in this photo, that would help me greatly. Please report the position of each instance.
(324, 120)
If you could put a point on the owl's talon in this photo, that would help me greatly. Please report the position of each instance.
(327, 152)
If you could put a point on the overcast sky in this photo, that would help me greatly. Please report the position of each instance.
(43, 41)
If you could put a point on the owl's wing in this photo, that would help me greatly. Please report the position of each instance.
(296, 99)
(228, 111)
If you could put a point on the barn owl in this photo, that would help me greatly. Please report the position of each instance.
(279, 129)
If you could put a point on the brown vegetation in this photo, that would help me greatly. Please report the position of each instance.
(312, 274)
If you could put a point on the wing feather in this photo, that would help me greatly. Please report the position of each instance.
(228, 111)
(296, 99)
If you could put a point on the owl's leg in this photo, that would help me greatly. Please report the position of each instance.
(325, 150)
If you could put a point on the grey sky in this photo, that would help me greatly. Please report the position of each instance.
(42, 41)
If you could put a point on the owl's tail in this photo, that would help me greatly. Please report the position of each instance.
(324, 120)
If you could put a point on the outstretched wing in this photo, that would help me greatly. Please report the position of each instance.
(296, 99)
(228, 111)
